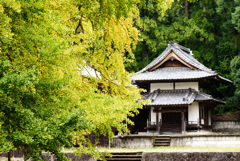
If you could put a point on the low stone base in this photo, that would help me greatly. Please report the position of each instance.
(179, 156)
(72, 157)
(191, 156)
(133, 141)
(206, 140)
(147, 141)
(226, 126)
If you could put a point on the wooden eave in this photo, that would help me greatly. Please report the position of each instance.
(169, 81)
(210, 101)
(175, 105)
(221, 80)
(216, 78)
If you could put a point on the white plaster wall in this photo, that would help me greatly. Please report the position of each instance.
(153, 115)
(193, 111)
(186, 85)
(209, 117)
(161, 86)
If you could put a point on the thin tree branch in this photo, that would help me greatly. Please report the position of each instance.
(104, 76)
(79, 25)
(92, 24)
(227, 56)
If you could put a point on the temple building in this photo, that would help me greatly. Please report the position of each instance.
(178, 87)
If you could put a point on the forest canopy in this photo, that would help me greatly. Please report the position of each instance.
(209, 28)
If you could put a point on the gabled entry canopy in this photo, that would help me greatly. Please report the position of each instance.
(177, 97)
(183, 67)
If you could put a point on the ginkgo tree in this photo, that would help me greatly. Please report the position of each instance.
(46, 98)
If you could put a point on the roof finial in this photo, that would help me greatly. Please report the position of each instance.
(171, 42)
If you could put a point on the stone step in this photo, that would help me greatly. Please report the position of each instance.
(126, 153)
(176, 133)
(170, 130)
(192, 130)
(171, 127)
(125, 156)
(162, 138)
(161, 144)
(124, 159)
(162, 141)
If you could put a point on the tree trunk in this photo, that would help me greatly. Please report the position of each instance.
(204, 8)
(9, 156)
(186, 9)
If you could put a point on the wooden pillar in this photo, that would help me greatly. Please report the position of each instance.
(206, 117)
(182, 120)
(149, 115)
(200, 112)
(157, 121)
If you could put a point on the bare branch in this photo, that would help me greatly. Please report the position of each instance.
(96, 73)
(227, 56)
(92, 24)
(79, 25)
(87, 70)
(104, 76)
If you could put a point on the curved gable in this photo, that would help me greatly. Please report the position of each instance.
(183, 54)
(172, 56)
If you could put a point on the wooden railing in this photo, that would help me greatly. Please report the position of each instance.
(149, 123)
(154, 124)
(192, 124)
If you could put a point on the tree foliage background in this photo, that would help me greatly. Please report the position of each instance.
(62, 73)
(209, 28)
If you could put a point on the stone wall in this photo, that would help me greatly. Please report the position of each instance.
(190, 156)
(206, 140)
(173, 156)
(72, 157)
(129, 141)
(226, 126)
(138, 141)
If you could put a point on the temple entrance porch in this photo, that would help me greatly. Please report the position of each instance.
(171, 123)
(173, 120)
(167, 120)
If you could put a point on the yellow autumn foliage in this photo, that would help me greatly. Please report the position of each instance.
(62, 69)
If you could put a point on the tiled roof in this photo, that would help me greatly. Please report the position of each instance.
(172, 74)
(186, 55)
(177, 97)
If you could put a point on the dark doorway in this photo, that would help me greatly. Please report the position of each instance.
(140, 120)
(171, 122)
(171, 118)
